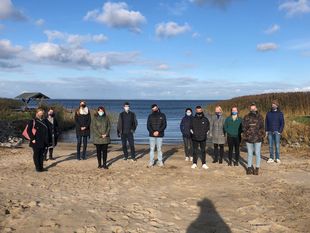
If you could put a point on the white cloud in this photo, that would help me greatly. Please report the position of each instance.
(7, 50)
(274, 28)
(295, 7)
(8, 11)
(209, 40)
(163, 67)
(40, 22)
(74, 39)
(170, 29)
(195, 35)
(117, 15)
(78, 57)
(265, 47)
(177, 8)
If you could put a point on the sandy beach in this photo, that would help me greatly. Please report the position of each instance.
(76, 196)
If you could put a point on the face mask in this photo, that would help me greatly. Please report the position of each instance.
(200, 114)
(274, 108)
(218, 113)
(126, 109)
(100, 113)
(234, 113)
(253, 112)
(188, 113)
(83, 105)
(51, 114)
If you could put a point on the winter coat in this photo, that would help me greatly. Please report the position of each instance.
(101, 125)
(185, 126)
(253, 128)
(274, 121)
(157, 122)
(120, 123)
(82, 120)
(200, 127)
(233, 128)
(53, 132)
(41, 135)
(217, 129)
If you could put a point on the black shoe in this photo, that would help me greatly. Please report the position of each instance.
(256, 171)
(51, 158)
(236, 163)
(105, 167)
(99, 166)
(229, 163)
(249, 171)
(125, 158)
(215, 161)
(221, 161)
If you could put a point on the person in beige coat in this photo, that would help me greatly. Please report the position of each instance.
(218, 134)
(101, 127)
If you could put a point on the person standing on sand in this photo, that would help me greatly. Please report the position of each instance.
(274, 125)
(253, 133)
(199, 129)
(101, 127)
(53, 131)
(217, 134)
(126, 126)
(185, 127)
(39, 140)
(82, 125)
(233, 129)
(156, 125)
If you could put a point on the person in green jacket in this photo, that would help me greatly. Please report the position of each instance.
(233, 129)
(101, 127)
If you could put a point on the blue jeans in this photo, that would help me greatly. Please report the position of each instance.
(274, 139)
(81, 139)
(158, 142)
(253, 147)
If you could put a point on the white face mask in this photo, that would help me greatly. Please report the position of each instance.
(126, 109)
(188, 113)
(100, 113)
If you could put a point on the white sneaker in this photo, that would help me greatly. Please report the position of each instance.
(186, 158)
(194, 166)
(270, 160)
(278, 161)
(160, 164)
(191, 158)
(151, 164)
(204, 166)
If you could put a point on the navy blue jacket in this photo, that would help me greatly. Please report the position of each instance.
(185, 126)
(274, 121)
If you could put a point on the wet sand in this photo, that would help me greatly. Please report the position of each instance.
(76, 196)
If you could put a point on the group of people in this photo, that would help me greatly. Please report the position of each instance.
(195, 128)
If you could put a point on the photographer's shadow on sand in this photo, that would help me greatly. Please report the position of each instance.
(209, 220)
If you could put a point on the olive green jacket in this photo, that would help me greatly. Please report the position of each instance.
(101, 125)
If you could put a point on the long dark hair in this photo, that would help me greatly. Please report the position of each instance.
(100, 108)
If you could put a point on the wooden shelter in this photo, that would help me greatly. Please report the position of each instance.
(26, 97)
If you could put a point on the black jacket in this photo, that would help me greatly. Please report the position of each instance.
(185, 126)
(133, 122)
(82, 121)
(41, 135)
(53, 131)
(200, 127)
(156, 122)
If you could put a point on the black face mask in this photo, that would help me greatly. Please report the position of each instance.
(52, 114)
(83, 105)
(200, 114)
(253, 112)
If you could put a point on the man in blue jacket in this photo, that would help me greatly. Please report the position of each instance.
(274, 127)
(185, 127)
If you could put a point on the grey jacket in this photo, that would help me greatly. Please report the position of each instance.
(217, 129)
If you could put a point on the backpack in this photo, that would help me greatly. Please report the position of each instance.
(25, 132)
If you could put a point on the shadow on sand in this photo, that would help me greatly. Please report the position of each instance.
(209, 220)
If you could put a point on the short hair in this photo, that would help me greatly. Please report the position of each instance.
(198, 107)
(126, 103)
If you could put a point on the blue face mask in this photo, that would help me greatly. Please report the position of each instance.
(234, 113)
(100, 113)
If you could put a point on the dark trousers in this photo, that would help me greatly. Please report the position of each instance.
(202, 145)
(188, 146)
(216, 151)
(233, 142)
(38, 157)
(102, 154)
(81, 139)
(50, 151)
(128, 137)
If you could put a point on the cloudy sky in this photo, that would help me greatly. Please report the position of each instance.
(155, 49)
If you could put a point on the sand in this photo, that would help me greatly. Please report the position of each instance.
(76, 196)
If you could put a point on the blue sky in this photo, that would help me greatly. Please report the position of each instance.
(183, 49)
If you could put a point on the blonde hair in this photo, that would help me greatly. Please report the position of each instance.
(218, 107)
